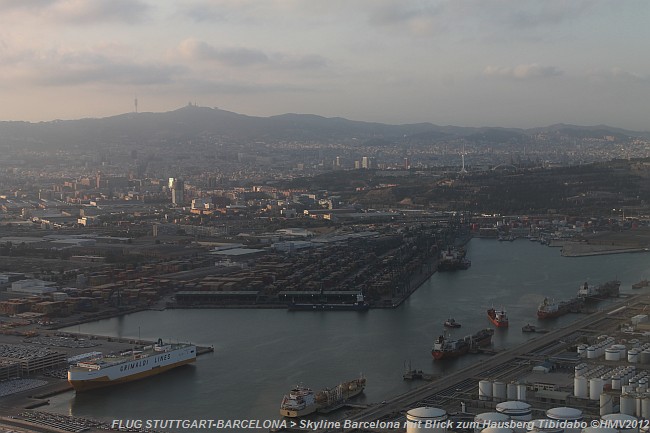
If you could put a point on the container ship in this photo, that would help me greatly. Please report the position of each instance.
(549, 309)
(112, 369)
(444, 348)
(303, 401)
(608, 290)
(498, 317)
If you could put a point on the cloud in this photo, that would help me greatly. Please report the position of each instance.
(202, 51)
(80, 11)
(56, 68)
(13, 5)
(238, 57)
(202, 12)
(202, 86)
(522, 72)
(616, 75)
(477, 19)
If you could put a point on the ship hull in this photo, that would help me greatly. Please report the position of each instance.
(104, 381)
(445, 354)
(292, 413)
(547, 315)
(325, 398)
(83, 378)
(492, 315)
(550, 310)
(328, 307)
(461, 347)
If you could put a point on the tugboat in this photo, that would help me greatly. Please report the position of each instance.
(498, 318)
(451, 323)
(528, 328)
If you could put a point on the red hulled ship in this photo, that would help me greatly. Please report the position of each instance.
(498, 317)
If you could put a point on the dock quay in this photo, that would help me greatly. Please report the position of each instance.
(461, 388)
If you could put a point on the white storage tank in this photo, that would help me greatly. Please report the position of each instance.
(543, 426)
(499, 391)
(616, 382)
(417, 418)
(580, 388)
(606, 404)
(485, 390)
(596, 385)
(521, 392)
(484, 420)
(582, 350)
(564, 414)
(622, 420)
(568, 414)
(612, 354)
(644, 356)
(643, 385)
(645, 406)
(591, 352)
(497, 430)
(633, 356)
(598, 430)
(511, 391)
(628, 404)
(622, 350)
(516, 410)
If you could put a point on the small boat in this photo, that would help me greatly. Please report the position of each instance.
(451, 323)
(528, 328)
(641, 284)
(498, 318)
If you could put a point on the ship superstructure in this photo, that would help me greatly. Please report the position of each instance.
(550, 308)
(446, 348)
(498, 317)
(302, 401)
(609, 289)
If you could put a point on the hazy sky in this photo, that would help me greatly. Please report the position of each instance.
(513, 63)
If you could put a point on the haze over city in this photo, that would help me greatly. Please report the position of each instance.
(469, 63)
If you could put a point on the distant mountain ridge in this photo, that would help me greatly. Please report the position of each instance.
(193, 121)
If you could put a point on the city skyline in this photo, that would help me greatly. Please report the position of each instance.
(467, 63)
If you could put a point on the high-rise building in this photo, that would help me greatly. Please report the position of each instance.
(367, 162)
(178, 192)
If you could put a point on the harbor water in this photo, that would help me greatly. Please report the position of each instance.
(260, 354)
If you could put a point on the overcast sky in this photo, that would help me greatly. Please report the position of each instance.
(512, 63)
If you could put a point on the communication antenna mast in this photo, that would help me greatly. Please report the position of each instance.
(462, 156)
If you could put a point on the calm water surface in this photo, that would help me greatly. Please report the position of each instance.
(260, 354)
